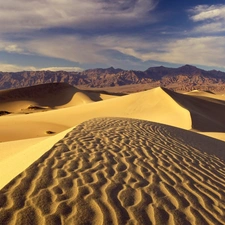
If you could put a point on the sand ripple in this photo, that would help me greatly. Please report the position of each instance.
(120, 171)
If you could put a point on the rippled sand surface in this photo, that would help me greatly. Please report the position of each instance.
(121, 171)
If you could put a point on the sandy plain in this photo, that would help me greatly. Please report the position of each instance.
(78, 157)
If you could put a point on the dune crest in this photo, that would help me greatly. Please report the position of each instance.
(192, 112)
(121, 171)
(207, 114)
(49, 96)
(206, 94)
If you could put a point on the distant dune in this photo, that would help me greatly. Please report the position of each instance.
(121, 171)
(158, 105)
(46, 96)
(155, 105)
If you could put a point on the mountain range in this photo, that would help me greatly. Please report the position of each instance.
(185, 78)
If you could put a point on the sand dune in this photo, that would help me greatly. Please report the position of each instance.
(207, 114)
(9, 149)
(155, 105)
(121, 171)
(16, 156)
(46, 96)
(205, 94)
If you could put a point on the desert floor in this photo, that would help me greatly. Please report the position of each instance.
(69, 156)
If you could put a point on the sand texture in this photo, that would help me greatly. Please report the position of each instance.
(121, 171)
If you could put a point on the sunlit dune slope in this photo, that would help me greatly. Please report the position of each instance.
(155, 105)
(199, 113)
(16, 156)
(121, 171)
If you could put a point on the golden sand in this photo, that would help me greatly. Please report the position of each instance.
(202, 114)
(119, 163)
(121, 171)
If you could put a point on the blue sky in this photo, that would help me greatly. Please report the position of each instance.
(129, 34)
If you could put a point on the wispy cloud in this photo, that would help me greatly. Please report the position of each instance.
(26, 15)
(73, 48)
(210, 18)
(68, 69)
(10, 47)
(196, 50)
(207, 12)
(208, 50)
(35, 21)
(210, 28)
(89, 33)
(15, 68)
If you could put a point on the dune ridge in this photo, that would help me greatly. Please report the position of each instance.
(207, 114)
(50, 95)
(201, 114)
(121, 171)
(47, 96)
(154, 105)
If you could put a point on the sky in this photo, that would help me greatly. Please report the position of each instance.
(74, 35)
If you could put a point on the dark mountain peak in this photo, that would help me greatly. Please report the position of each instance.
(184, 68)
(156, 68)
(187, 66)
(110, 70)
(189, 70)
(158, 72)
(113, 70)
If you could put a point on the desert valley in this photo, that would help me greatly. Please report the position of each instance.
(78, 155)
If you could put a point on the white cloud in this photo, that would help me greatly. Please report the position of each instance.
(13, 48)
(208, 51)
(210, 28)
(210, 18)
(15, 68)
(72, 48)
(27, 18)
(90, 50)
(18, 16)
(206, 12)
(205, 51)
(68, 69)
